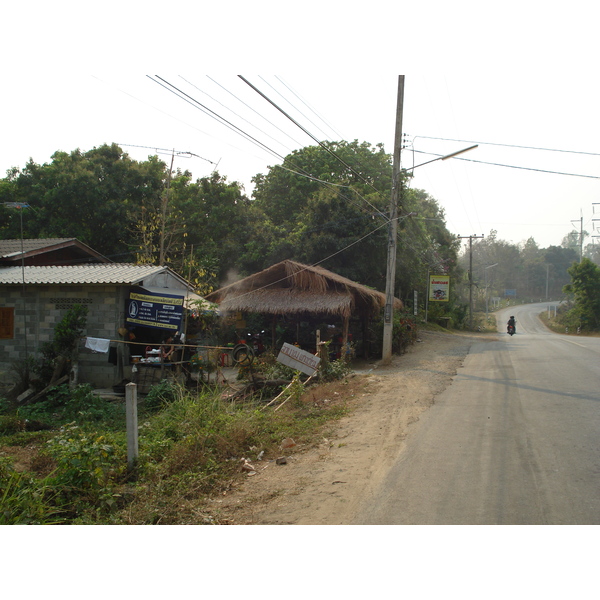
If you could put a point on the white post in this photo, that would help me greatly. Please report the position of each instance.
(132, 424)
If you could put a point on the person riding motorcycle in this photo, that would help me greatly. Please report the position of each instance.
(511, 323)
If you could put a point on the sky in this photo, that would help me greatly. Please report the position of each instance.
(523, 89)
(505, 75)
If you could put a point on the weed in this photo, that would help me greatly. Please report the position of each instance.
(88, 468)
(25, 501)
(162, 393)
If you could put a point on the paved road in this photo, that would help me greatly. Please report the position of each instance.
(514, 440)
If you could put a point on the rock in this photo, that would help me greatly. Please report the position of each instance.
(247, 466)
(282, 460)
(287, 443)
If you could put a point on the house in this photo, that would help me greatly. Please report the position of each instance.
(53, 251)
(305, 293)
(145, 302)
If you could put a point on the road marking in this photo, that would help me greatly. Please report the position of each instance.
(575, 343)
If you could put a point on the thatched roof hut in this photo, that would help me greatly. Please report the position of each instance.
(292, 288)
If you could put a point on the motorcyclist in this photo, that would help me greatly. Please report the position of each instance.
(512, 323)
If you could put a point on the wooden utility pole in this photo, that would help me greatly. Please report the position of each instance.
(470, 238)
(388, 318)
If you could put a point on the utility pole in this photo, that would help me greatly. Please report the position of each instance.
(470, 238)
(388, 319)
(165, 202)
(580, 235)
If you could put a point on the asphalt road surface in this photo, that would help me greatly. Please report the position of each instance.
(515, 439)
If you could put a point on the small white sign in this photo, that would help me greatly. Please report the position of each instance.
(298, 359)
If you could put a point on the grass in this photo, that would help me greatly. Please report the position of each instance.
(190, 444)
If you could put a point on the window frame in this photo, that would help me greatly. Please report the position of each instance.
(7, 323)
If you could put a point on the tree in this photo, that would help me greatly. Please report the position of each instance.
(316, 207)
(558, 260)
(94, 196)
(585, 287)
(318, 210)
(210, 218)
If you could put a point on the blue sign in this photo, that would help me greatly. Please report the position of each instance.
(510, 293)
(161, 311)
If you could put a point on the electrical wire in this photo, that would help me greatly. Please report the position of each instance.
(338, 135)
(189, 99)
(482, 162)
(254, 111)
(294, 107)
(211, 113)
(308, 133)
(510, 145)
(232, 111)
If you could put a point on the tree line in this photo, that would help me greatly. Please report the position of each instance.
(326, 205)
(312, 208)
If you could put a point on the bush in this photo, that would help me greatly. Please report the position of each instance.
(78, 404)
(88, 467)
(163, 393)
(57, 353)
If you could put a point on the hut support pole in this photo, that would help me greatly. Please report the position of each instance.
(345, 329)
(273, 332)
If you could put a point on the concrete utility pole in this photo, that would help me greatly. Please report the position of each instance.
(580, 235)
(470, 238)
(388, 319)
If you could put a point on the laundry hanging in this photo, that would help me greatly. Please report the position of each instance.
(97, 344)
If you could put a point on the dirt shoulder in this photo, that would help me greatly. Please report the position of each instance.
(325, 484)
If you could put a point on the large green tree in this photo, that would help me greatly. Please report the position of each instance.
(330, 206)
(585, 287)
(94, 196)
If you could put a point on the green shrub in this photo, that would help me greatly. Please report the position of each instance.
(88, 466)
(163, 393)
(80, 404)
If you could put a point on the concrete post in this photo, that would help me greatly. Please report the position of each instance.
(132, 424)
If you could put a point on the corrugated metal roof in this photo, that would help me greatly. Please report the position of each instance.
(110, 273)
(12, 247)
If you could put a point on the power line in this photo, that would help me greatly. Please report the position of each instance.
(324, 146)
(310, 107)
(482, 162)
(509, 145)
(190, 100)
(167, 150)
(254, 111)
(230, 110)
(294, 107)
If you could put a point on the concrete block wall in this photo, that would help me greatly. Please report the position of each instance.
(38, 311)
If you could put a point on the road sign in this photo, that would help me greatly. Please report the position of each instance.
(298, 359)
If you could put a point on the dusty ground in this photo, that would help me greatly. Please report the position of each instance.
(326, 483)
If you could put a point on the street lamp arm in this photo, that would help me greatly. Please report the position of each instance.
(445, 157)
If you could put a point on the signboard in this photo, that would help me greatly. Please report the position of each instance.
(162, 311)
(510, 293)
(298, 359)
(439, 287)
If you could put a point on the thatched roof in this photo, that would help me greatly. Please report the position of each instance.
(290, 287)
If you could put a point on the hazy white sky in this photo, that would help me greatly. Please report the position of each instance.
(522, 75)
(519, 73)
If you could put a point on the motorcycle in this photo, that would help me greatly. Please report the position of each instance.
(510, 330)
(245, 350)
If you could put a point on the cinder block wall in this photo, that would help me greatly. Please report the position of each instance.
(42, 307)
